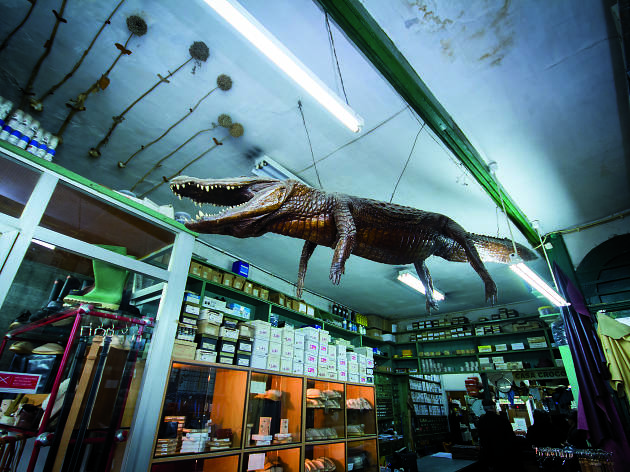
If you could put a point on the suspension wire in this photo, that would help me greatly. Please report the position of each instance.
(334, 51)
(406, 163)
(310, 145)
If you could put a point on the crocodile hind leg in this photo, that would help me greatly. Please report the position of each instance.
(425, 278)
(307, 252)
(461, 237)
(346, 237)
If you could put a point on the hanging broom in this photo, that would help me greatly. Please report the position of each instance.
(224, 83)
(235, 131)
(198, 51)
(37, 104)
(137, 27)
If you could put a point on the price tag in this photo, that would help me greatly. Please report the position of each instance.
(12, 382)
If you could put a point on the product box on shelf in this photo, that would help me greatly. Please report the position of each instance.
(518, 346)
(188, 319)
(310, 333)
(206, 328)
(262, 329)
(226, 346)
(342, 375)
(323, 348)
(228, 333)
(498, 359)
(287, 350)
(238, 283)
(298, 340)
(227, 279)
(273, 363)
(342, 363)
(312, 347)
(298, 356)
(288, 335)
(275, 335)
(500, 347)
(195, 269)
(243, 359)
(248, 288)
(365, 351)
(211, 315)
(214, 303)
(275, 349)
(369, 364)
(353, 367)
(206, 356)
(310, 370)
(264, 293)
(244, 345)
(207, 343)
(259, 362)
(298, 368)
(260, 347)
(191, 298)
(310, 358)
(190, 309)
(484, 348)
(353, 377)
(226, 358)
(184, 349)
(352, 357)
(245, 330)
(277, 298)
(286, 364)
(236, 309)
(324, 336)
(322, 360)
(341, 350)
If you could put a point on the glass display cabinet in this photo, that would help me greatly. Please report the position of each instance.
(325, 417)
(222, 463)
(325, 457)
(362, 455)
(279, 460)
(198, 414)
(87, 285)
(274, 411)
(360, 411)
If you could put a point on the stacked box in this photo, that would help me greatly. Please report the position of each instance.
(260, 344)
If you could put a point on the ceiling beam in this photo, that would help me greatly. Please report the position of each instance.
(352, 17)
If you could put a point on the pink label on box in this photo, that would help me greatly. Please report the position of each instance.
(310, 370)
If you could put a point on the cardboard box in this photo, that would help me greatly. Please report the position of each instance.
(243, 359)
(260, 347)
(205, 356)
(310, 358)
(227, 279)
(262, 329)
(226, 359)
(518, 346)
(245, 345)
(298, 369)
(273, 363)
(184, 349)
(208, 343)
(500, 347)
(310, 311)
(310, 370)
(238, 282)
(190, 309)
(195, 269)
(191, 298)
(264, 293)
(226, 346)
(286, 365)
(275, 335)
(277, 298)
(275, 349)
(287, 350)
(258, 362)
(248, 288)
(342, 375)
(484, 348)
(228, 333)
(324, 336)
(245, 330)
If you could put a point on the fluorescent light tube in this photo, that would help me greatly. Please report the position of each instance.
(266, 167)
(539, 284)
(412, 281)
(42, 243)
(275, 51)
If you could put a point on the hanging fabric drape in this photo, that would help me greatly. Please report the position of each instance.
(596, 411)
(615, 338)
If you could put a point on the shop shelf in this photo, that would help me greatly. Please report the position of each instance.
(325, 419)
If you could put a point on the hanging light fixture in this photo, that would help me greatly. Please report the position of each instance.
(408, 278)
(516, 263)
(276, 52)
(264, 166)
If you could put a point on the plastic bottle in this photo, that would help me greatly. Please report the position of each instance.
(33, 145)
(5, 109)
(30, 131)
(10, 127)
(52, 144)
(43, 145)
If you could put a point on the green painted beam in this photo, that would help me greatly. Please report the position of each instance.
(368, 36)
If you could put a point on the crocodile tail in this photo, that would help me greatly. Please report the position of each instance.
(493, 249)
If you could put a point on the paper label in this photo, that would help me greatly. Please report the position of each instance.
(11, 382)
(256, 461)
(258, 387)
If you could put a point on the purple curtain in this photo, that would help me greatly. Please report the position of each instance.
(596, 411)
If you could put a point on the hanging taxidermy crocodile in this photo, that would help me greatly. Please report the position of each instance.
(379, 231)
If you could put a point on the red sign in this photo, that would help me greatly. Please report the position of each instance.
(12, 382)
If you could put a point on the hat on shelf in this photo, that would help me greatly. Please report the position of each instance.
(22, 347)
(48, 348)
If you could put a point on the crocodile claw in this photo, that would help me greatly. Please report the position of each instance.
(491, 292)
(335, 276)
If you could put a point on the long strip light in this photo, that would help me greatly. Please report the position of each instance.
(265, 42)
(539, 284)
(266, 167)
(414, 282)
(44, 244)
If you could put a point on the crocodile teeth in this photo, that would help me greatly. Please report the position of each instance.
(179, 196)
(177, 186)
(207, 188)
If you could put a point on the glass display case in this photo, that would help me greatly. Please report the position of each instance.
(198, 414)
(325, 457)
(85, 280)
(274, 411)
(279, 460)
(360, 411)
(362, 456)
(325, 417)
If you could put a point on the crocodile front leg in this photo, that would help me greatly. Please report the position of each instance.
(425, 278)
(307, 252)
(346, 236)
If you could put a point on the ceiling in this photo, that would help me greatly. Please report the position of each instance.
(537, 87)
